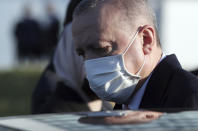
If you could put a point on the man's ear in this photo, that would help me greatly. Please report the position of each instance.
(148, 37)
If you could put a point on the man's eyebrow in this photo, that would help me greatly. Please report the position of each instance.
(107, 41)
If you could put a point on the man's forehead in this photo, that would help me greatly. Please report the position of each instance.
(100, 18)
(90, 5)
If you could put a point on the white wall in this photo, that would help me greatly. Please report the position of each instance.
(179, 30)
(10, 12)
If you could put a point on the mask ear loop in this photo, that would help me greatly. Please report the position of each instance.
(138, 73)
(130, 46)
(131, 41)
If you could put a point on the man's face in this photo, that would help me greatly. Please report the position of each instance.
(102, 33)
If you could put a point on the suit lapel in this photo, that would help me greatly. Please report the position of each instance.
(157, 87)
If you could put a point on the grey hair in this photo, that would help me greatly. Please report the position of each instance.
(86, 5)
(131, 8)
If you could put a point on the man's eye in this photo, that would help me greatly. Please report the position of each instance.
(99, 51)
(105, 51)
(102, 51)
(108, 49)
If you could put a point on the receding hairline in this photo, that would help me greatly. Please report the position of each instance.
(131, 7)
(134, 11)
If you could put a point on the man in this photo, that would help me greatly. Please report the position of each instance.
(124, 61)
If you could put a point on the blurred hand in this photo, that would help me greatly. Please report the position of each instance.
(133, 117)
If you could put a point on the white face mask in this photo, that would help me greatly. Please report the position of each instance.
(109, 78)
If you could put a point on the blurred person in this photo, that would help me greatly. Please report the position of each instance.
(63, 87)
(124, 61)
(28, 35)
(50, 31)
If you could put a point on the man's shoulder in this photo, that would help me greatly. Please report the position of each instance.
(179, 78)
(187, 86)
(185, 79)
(172, 83)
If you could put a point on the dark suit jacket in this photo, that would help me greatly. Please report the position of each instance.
(170, 88)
